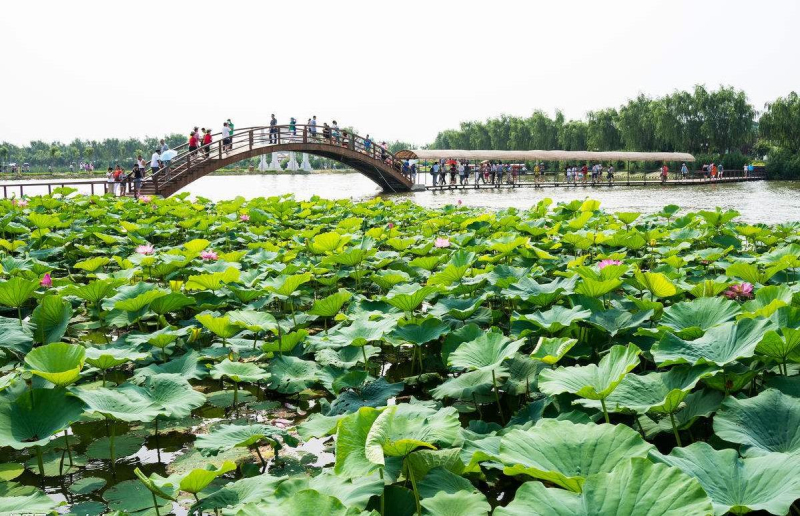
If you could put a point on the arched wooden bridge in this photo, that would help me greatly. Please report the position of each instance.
(364, 156)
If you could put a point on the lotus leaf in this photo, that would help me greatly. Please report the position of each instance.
(769, 422)
(565, 453)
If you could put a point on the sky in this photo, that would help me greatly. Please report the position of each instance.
(396, 70)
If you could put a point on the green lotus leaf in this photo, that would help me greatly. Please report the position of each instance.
(214, 280)
(327, 242)
(550, 350)
(35, 416)
(540, 294)
(92, 264)
(636, 487)
(58, 363)
(372, 394)
(227, 437)
(244, 491)
(20, 499)
(132, 301)
(720, 345)
(749, 273)
(222, 327)
(768, 483)
(767, 301)
(124, 446)
(308, 502)
(690, 319)
(121, 404)
(172, 302)
(239, 371)
(456, 504)
(87, 485)
(291, 374)
(466, 385)
(15, 337)
(51, 318)
(615, 321)
(597, 288)
(409, 296)
(565, 454)
(553, 320)
(285, 343)
(136, 496)
(486, 352)
(363, 330)
(702, 403)
(111, 356)
(656, 283)
(198, 479)
(351, 441)
(287, 285)
(196, 245)
(593, 381)
(430, 329)
(346, 357)
(330, 305)
(769, 422)
(400, 429)
(17, 290)
(661, 392)
(782, 348)
(457, 308)
(708, 288)
(10, 471)
(172, 394)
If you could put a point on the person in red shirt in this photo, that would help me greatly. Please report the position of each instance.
(207, 142)
(664, 173)
(192, 142)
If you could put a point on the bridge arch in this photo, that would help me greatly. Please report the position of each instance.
(364, 156)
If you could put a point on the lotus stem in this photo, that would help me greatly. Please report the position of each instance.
(605, 412)
(364, 354)
(497, 398)
(639, 424)
(69, 451)
(40, 461)
(261, 458)
(111, 448)
(155, 504)
(675, 429)
(414, 487)
(383, 493)
(477, 406)
(158, 445)
(235, 394)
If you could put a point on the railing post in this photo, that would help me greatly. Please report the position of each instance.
(220, 149)
(251, 139)
(278, 136)
(305, 134)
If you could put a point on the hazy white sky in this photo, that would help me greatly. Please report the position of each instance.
(395, 69)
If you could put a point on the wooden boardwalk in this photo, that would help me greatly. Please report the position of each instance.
(620, 180)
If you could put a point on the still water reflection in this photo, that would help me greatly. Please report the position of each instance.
(760, 201)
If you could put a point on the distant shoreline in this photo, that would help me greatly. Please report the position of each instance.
(6, 176)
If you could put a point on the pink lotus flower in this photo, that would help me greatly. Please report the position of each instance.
(21, 203)
(459, 202)
(145, 249)
(390, 225)
(739, 291)
(442, 242)
(209, 255)
(47, 281)
(244, 217)
(145, 199)
(605, 263)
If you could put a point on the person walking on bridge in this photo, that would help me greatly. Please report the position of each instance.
(273, 130)
(293, 126)
(313, 123)
(207, 143)
(684, 170)
(664, 173)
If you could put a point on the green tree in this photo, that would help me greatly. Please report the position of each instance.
(780, 123)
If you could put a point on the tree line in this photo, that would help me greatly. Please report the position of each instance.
(715, 125)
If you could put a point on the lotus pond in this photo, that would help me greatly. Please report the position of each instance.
(284, 357)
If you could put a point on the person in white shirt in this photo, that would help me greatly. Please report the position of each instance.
(155, 162)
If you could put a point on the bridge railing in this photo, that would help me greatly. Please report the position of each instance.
(250, 138)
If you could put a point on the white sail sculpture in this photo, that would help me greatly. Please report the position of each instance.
(306, 165)
(262, 164)
(274, 164)
(292, 164)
